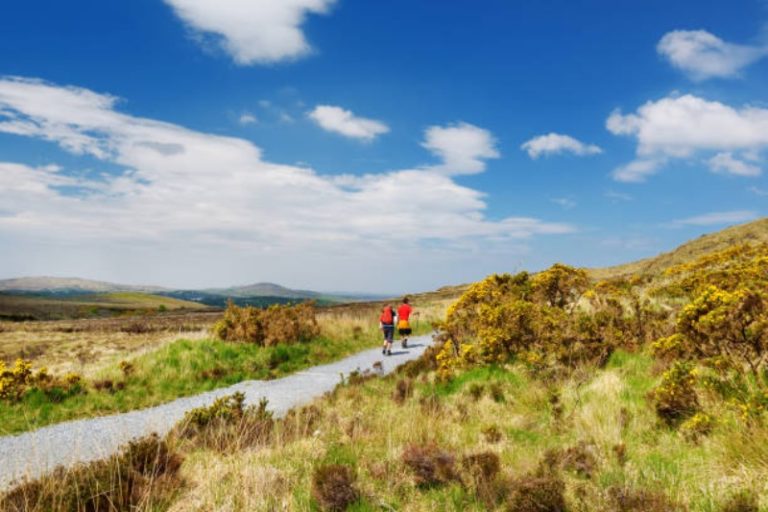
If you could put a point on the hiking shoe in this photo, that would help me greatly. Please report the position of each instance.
(405, 343)
(389, 352)
(384, 351)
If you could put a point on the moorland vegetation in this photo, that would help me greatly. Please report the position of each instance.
(245, 343)
(556, 391)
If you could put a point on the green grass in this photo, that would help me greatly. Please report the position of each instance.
(181, 368)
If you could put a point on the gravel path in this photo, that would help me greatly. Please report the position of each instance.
(32, 454)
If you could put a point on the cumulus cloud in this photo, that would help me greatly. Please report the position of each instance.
(462, 147)
(218, 195)
(715, 219)
(555, 143)
(727, 164)
(684, 126)
(247, 118)
(252, 31)
(565, 202)
(702, 55)
(344, 122)
(637, 171)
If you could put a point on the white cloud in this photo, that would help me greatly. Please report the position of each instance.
(555, 143)
(214, 200)
(726, 163)
(252, 31)
(564, 202)
(247, 118)
(715, 219)
(682, 127)
(462, 147)
(636, 171)
(758, 191)
(702, 55)
(344, 122)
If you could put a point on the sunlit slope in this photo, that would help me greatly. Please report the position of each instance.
(753, 232)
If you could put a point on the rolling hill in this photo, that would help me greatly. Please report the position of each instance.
(752, 232)
(263, 290)
(54, 307)
(68, 286)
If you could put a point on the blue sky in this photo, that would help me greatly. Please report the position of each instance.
(372, 146)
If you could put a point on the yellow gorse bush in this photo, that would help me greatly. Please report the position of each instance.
(675, 398)
(728, 270)
(729, 328)
(14, 380)
(18, 379)
(534, 319)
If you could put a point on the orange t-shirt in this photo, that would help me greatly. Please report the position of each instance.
(404, 312)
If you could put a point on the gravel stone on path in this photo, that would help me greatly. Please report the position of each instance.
(32, 454)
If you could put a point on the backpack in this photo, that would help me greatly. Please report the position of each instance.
(386, 315)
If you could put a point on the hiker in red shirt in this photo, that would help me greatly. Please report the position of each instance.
(403, 324)
(387, 326)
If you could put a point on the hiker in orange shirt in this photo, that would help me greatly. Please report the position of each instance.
(387, 326)
(403, 324)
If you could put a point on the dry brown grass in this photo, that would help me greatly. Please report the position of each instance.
(143, 476)
(87, 345)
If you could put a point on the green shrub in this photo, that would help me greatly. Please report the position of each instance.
(227, 425)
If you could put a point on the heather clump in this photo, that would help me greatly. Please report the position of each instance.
(482, 476)
(333, 487)
(626, 499)
(431, 465)
(537, 493)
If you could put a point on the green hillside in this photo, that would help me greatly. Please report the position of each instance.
(33, 307)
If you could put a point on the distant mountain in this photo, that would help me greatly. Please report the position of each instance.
(263, 290)
(68, 286)
(258, 294)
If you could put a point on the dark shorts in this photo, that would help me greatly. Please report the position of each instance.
(405, 332)
(389, 332)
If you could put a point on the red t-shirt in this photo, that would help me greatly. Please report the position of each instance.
(404, 312)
